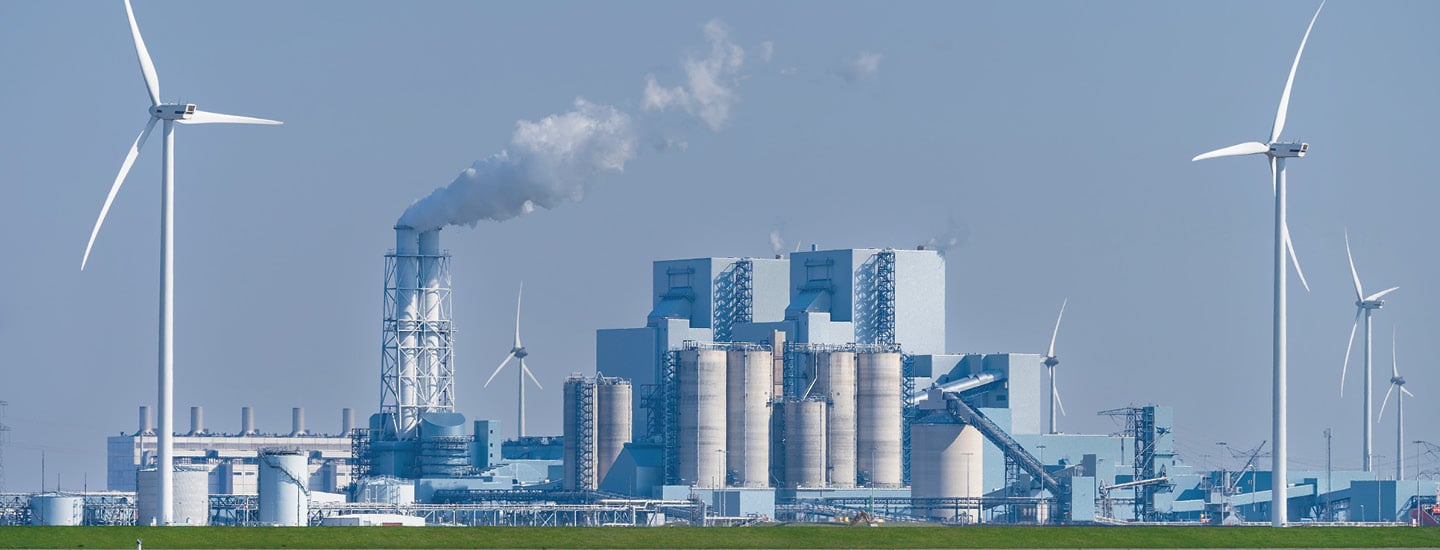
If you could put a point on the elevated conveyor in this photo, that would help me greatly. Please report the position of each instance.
(1012, 450)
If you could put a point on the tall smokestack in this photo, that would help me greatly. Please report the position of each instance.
(247, 421)
(432, 379)
(197, 421)
(347, 421)
(297, 421)
(407, 320)
(146, 428)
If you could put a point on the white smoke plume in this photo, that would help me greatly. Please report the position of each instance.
(865, 66)
(548, 163)
(777, 243)
(710, 85)
(554, 160)
(953, 237)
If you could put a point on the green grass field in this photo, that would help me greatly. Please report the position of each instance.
(788, 536)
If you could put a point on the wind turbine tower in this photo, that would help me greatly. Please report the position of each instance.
(1278, 151)
(1397, 381)
(1051, 361)
(517, 351)
(169, 113)
(1366, 305)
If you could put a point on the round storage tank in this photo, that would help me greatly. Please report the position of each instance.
(701, 452)
(192, 497)
(946, 462)
(384, 490)
(612, 422)
(747, 392)
(835, 381)
(878, 418)
(284, 495)
(805, 443)
(55, 509)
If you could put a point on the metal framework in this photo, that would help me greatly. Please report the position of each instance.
(670, 416)
(417, 373)
(909, 413)
(584, 430)
(744, 291)
(885, 297)
(1140, 425)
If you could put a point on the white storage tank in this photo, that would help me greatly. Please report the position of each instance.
(878, 418)
(946, 462)
(192, 497)
(805, 443)
(701, 452)
(57, 509)
(612, 422)
(835, 381)
(747, 393)
(284, 494)
(384, 490)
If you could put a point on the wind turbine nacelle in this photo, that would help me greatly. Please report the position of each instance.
(176, 111)
(1291, 149)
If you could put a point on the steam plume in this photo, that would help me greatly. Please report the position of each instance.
(953, 237)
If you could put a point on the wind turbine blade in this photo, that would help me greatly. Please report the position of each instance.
(206, 117)
(1407, 392)
(1359, 294)
(1059, 402)
(1348, 345)
(518, 296)
(147, 67)
(1290, 246)
(1247, 148)
(1394, 363)
(115, 187)
(1381, 294)
(527, 372)
(1274, 178)
(508, 357)
(1051, 353)
(1279, 125)
(1381, 416)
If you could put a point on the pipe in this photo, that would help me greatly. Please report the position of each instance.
(960, 385)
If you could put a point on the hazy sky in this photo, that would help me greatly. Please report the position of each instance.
(1056, 136)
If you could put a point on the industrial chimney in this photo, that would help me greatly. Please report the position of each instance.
(297, 421)
(197, 421)
(247, 421)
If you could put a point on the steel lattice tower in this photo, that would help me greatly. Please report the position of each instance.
(417, 371)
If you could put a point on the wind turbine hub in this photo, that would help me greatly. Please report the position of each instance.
(1288, 149)
(173, 111)
(1051, 361)
(1398, 380)
(520, 353)
(1371, 304)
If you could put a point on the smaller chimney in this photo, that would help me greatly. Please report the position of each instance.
(247, 421)
(347, 421)
(197, 421)
(145, 427)
(297, 421)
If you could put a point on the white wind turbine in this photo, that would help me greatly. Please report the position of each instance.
(1050, 363)
(1397, 381)
(1278, 151)
(170, 113)
(1366, 305)
(517, 352)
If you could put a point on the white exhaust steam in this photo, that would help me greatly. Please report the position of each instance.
(552, 161)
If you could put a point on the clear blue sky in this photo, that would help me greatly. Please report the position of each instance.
(1057, 135)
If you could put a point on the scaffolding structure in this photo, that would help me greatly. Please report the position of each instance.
(583, 465)
(417, 373)
(885, 297)
(1147, 477)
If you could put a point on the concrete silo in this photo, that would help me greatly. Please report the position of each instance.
(878, 421)
(701, 451)
(835, 381)
(612, 422)
(747, 393)
(805, 443)
(946, 462)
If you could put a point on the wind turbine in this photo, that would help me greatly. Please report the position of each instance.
(1397, 381)
(1278, 151)
(1367, 305)
(1050, 362)
(517, 352)
(170, 113)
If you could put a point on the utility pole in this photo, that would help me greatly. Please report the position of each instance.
(4, 434)
(1330, 516)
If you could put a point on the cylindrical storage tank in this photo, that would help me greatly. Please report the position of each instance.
(347, 421)
(747, 393)
(247, 421)
(878, 418)
(384, 490)
(612, 422)
(946, 462)
(192, 497)
(701, 452)
(56, 509)
(284, 496)
(805, 443)
(197, 421)
(297, 421)
(835, 381)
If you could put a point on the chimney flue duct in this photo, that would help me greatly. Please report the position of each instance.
(146, 428)
(347, 421)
